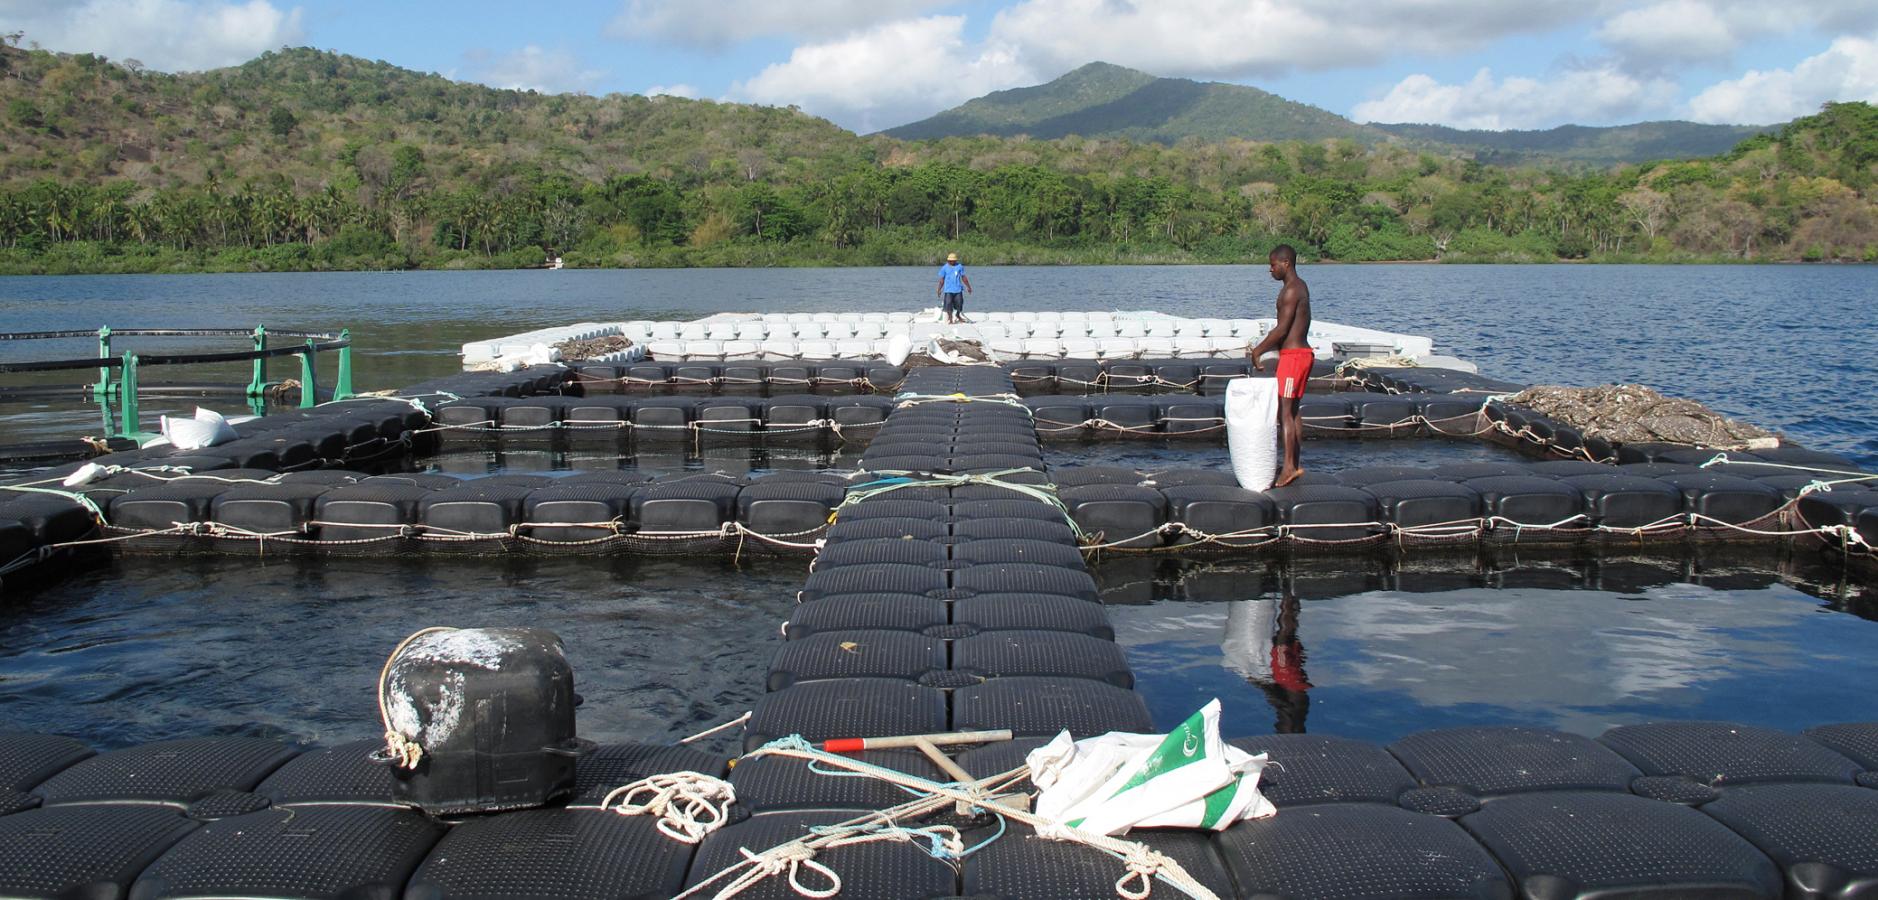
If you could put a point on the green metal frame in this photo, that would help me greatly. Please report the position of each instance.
(125, 387)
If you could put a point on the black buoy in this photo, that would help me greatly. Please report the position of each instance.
(480, 719)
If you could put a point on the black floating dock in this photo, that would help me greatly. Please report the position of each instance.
(954, 602)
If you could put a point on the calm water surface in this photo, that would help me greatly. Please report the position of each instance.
(142, 648)
(1788, 347)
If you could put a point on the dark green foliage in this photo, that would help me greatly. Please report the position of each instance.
(310, 160)
(1103, 100)
(1584, 145)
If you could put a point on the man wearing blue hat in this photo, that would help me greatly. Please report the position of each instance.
(953, 286)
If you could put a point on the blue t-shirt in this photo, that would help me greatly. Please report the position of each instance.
(953, 273)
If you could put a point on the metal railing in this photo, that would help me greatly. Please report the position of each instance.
(128, 364)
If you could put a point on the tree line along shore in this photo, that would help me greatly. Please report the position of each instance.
(311, 161)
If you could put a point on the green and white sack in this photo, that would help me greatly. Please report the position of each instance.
(1188, 778)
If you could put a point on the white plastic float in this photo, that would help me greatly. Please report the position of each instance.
(1006, 336)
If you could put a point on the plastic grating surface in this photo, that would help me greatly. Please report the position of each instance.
(1006, 653)
(1320, 769)
(856, 654)
(903, 612)
(1036, 553)
(1500, 760)
(28, 759)
(573, 854)
(1358, 850)
(1856, 740)
(994, 612)
(1723, 753)
(1017, 578)
(768, 783)
(1022, 866)
(1825, 836)
(886, 870)
(879, 550)
(342, 774)
(92, 851)
(1567, 844)
(1044, 706)
(352, 852)
(168, 772)
(616, 765)
(853, 707)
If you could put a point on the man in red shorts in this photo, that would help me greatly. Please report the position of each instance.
(1290, 337)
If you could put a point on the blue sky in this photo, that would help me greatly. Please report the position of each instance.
(871, 64)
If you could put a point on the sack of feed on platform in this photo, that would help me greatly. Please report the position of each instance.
(1187, 778)
(1252, 431)
(207, 429)
(899, 347)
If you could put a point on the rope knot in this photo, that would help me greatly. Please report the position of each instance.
(793, 857)
(403, 751)
(1144, 863)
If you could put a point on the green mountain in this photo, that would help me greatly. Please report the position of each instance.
(1109, 101)
(1583, 144)
(1103, 100)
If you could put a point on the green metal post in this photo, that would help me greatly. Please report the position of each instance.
(127, 390)
(342, 386)
(309, 386)
(103, 387)
(257, 386)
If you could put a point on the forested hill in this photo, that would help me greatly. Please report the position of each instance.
(1585, 145)
(1100, 100)
(310, 118)
(311, 160)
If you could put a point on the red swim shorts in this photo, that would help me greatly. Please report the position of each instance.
(1294, 369)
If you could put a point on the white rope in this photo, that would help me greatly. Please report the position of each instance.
(402, 749)
(1142, 864)
(689, 805)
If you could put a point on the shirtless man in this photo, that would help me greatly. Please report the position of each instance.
(1289, 338)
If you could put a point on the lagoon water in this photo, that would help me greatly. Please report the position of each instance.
(1793, 348)
(141, 649)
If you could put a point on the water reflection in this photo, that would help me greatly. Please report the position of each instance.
(1261, 644)
(1574, 644)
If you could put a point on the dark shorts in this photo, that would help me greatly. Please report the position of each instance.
(953, 304)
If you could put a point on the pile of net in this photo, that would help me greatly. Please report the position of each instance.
(592, 348)
(1632, 413)
(949, 352)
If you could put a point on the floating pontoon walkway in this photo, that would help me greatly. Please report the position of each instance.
(949, 591)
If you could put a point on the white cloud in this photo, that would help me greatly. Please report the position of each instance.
(673, 90)
(1664, 34)
(1848, 70)
(888, 74)
(717, 24)
(172, 35)
(1584, 96)
(1671, 32)
(532, 68)
(1229, 38)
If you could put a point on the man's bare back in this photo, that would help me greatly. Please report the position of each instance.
(1291, 338)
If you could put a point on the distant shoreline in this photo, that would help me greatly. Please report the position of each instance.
(15, 263)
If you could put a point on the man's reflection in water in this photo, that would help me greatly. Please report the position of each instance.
(1262, 645)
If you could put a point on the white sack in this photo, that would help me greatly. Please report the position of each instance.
(1252, 431)
(207, 429)
(1188, 778)
(899, 347)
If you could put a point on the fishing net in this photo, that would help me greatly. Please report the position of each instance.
(592, 348)
(1632, 413)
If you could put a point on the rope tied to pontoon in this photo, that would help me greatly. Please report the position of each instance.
(403, 750)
